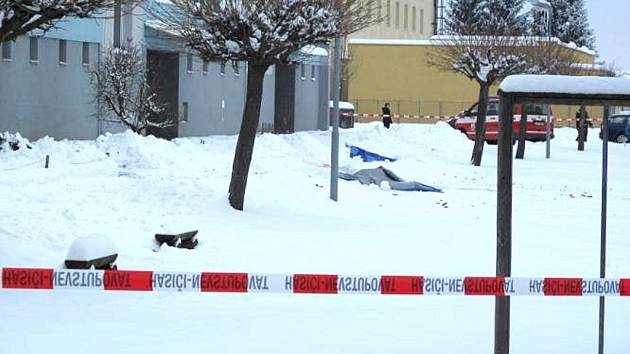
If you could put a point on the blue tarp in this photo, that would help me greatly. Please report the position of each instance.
(367, 156)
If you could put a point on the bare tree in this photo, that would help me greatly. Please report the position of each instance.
(18, 17)
(262, 33)
(121, 87)
(486, 59)
(485, 42)
(546, 56)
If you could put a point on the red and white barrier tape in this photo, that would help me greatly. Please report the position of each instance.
(411, 116)
(122, 280)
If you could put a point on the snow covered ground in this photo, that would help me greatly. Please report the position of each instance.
(129, 188)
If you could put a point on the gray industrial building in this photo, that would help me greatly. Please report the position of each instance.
(45, 85)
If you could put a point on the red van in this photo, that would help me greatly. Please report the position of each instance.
(536, 121)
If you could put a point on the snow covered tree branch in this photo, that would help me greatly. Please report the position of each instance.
(121, 88)
(487, 41)
(262, 33)
(18, 17)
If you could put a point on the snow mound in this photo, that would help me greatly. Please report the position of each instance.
(88, 248)
(133, 151)
(13, 142)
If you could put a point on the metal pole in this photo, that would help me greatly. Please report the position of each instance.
(117, 20)
(548, 134)
(602, 249)
(334, 156)
(504, 222)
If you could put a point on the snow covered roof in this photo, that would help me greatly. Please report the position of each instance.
(444, 39)
(314, 50)
(342, 105)
(559, 84)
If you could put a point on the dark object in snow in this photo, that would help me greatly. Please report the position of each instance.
(107, 262)
(92, 251)
(367, 156)
(184, 240)
(381, 174)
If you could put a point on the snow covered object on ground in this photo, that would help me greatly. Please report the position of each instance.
(129, 188)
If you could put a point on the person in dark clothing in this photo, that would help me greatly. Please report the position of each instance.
(387, 115)
(587, 123)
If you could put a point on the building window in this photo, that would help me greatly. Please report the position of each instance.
(313, 72)
(413, 18)
(422, 21)
(235, 68)
(85, 54)
(63, 51)
(204, 68)
(389, 13)
(406, 19)
(6, 51)
(34, 50)
(184, 112)
(222, 71)
(189, 63)
(302, 71)
(397, 20)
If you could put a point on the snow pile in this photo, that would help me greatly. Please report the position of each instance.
(13, 142)
(91, 247)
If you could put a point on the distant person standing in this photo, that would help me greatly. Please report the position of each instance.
(387, 115)
(587, 123)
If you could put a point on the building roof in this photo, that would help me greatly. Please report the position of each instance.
(581, 85)
(440, 39)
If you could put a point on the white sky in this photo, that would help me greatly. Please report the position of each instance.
(611, 21)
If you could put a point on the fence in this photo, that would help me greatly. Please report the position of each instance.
(408, 111)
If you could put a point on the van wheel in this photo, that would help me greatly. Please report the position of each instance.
(621, 138)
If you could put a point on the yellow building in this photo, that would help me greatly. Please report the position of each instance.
(397, 71)
(406, 19)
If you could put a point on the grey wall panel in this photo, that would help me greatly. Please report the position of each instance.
(324, 96)
(48, 98)
(215, 100)
(307, 97)
(267, 109)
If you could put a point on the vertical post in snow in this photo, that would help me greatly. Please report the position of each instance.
(504, 222)
(548, 132)
(334, 155)
(602, 249)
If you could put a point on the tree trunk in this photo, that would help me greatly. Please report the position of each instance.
(480, 126)
(581, 125)
(247, 135)
(522, 134)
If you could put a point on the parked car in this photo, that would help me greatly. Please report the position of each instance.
(536, 121)
(346, 114)
(618, 128)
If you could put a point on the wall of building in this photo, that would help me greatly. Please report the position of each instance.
(399, 73)
(216, 100)
(418, 23)
(47, 97)
(306, 96)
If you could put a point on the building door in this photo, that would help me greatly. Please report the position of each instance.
(163, 77)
